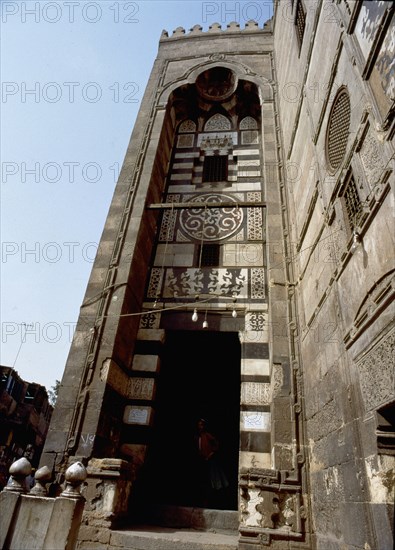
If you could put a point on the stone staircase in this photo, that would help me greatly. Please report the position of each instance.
(181, 528)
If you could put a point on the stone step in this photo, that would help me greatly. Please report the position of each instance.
(195, 518)
(149, 537)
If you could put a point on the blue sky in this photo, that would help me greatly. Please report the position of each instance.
(72, 77)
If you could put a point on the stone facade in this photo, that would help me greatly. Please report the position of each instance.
(256, 196)
(343, 289)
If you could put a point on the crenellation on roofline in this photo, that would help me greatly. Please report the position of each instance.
(216, 28)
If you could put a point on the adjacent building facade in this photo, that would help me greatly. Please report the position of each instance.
(246, 275)
(25, 413)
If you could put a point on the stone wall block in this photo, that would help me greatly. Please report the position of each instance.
(8, 506)
(64, 524)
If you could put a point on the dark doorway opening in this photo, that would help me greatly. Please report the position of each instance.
(199, 378)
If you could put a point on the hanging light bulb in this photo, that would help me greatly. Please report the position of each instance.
(194, 315)
(356, 240)
(205, 322)
(234, 312)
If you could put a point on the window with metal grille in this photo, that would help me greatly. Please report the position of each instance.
(385, 430)
(300, 22)
(352, 202)
(215, 168)
(338, 129)
(209, 255)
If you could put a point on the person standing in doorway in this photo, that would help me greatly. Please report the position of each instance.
(211, 478)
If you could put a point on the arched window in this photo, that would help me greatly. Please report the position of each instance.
(248, 123)
(217, 123)
(187, 126)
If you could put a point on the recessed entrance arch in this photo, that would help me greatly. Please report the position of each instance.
(199, 377)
